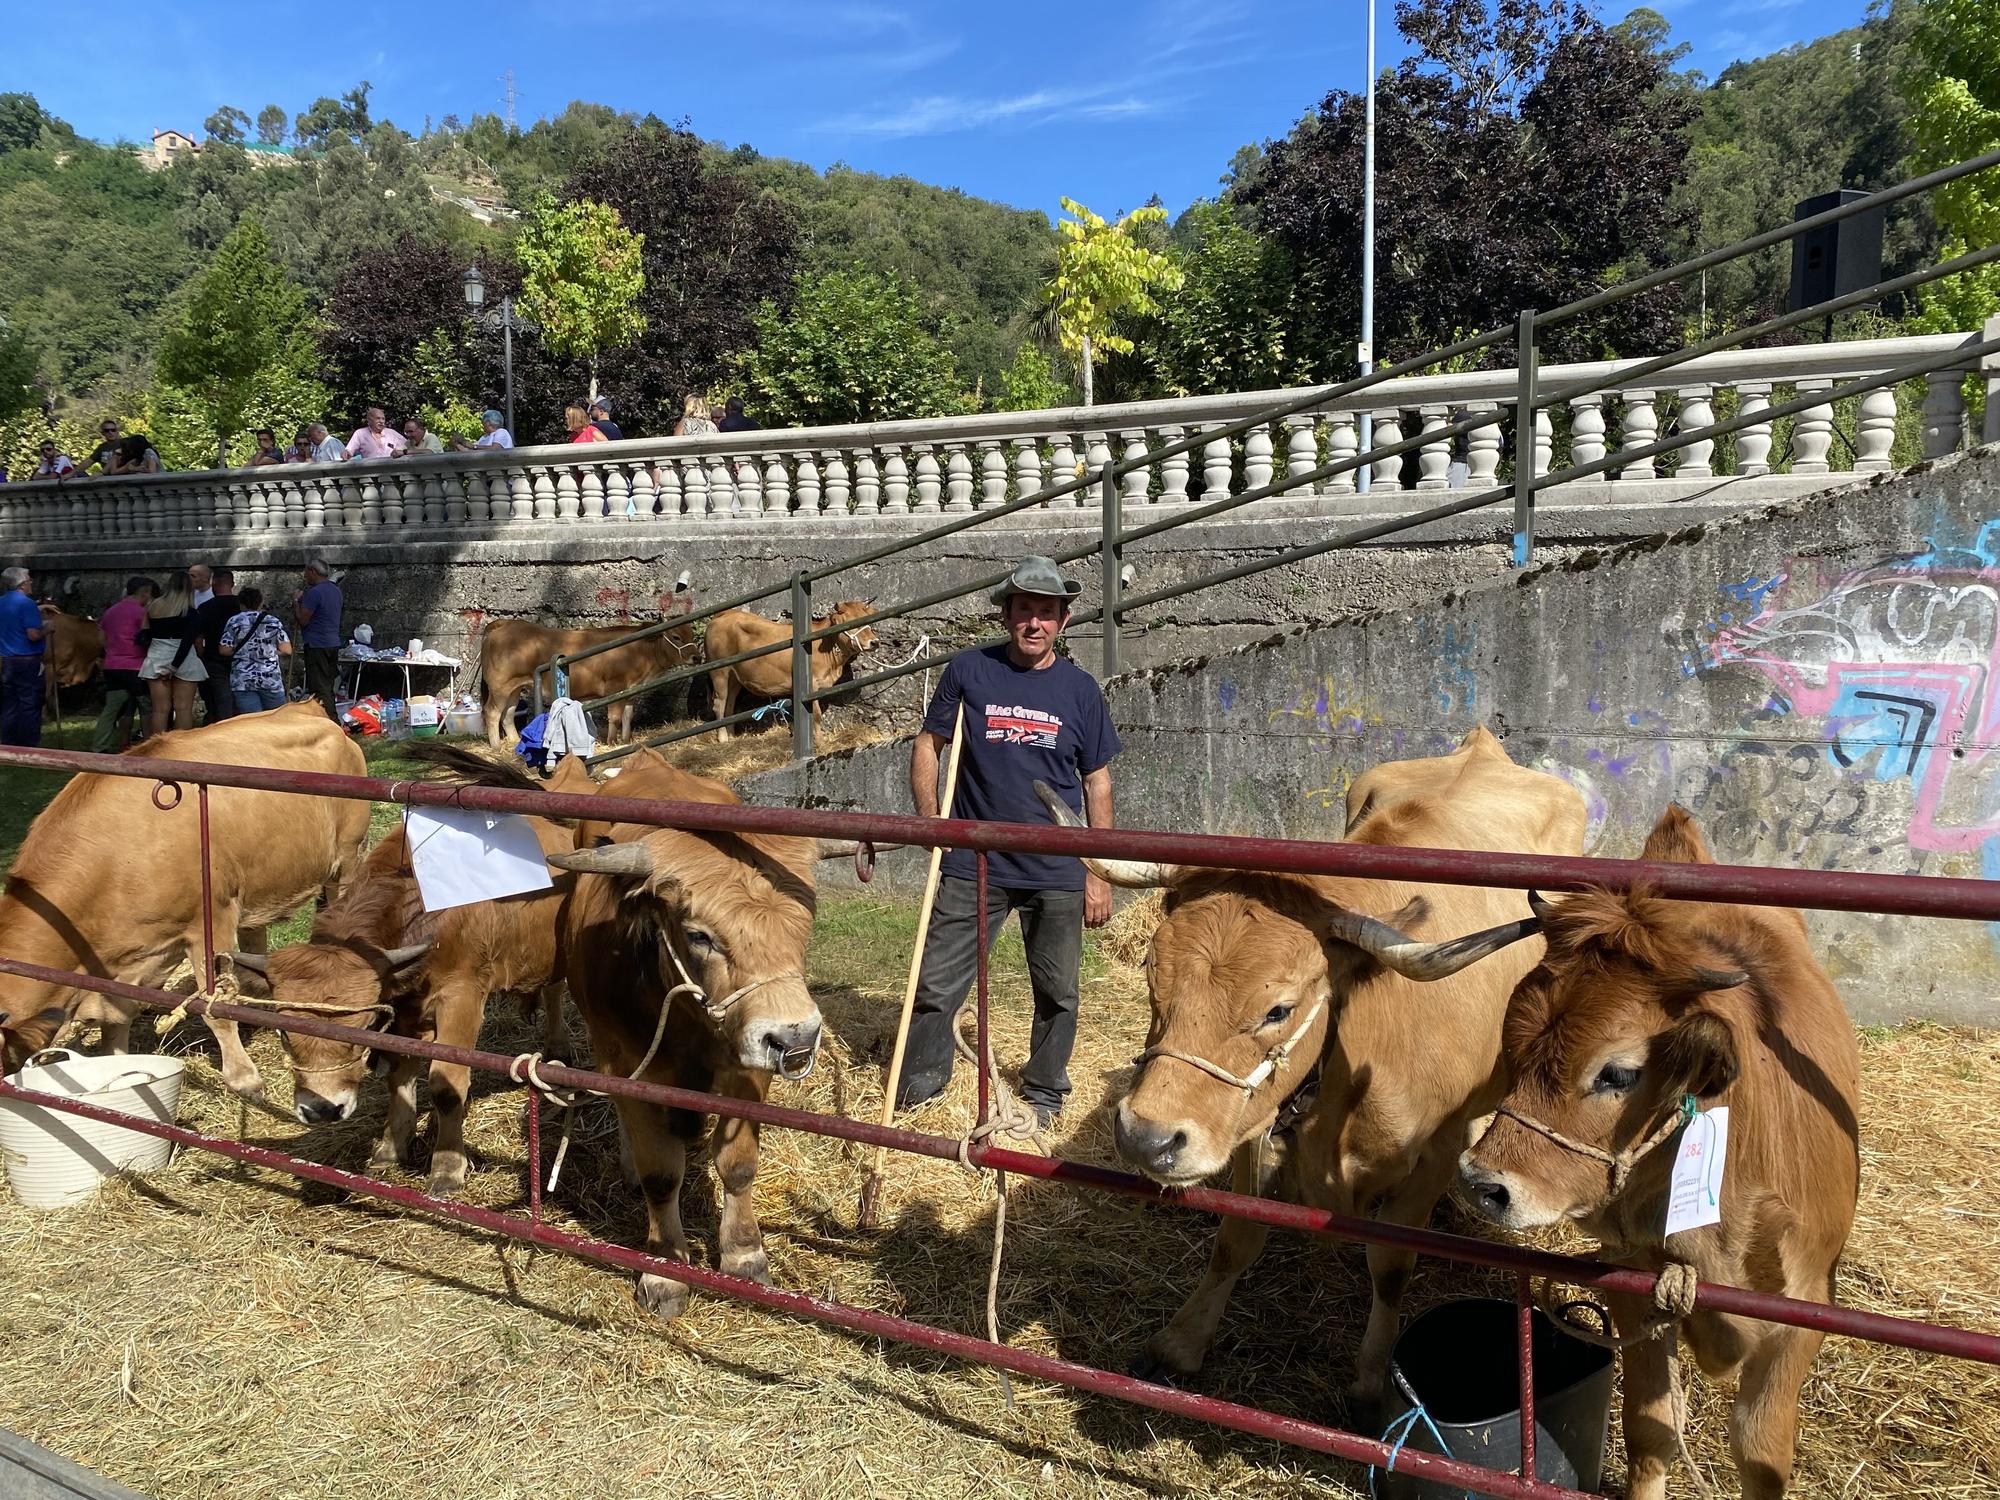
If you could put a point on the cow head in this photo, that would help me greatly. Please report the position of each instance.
(729, 916)
(1624, 1020)
(850, 643)
(1246, 975)
(347, 982)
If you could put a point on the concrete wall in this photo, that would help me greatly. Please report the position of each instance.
(442, 586)
(1813, 680)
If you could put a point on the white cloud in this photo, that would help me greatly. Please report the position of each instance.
(941, 114)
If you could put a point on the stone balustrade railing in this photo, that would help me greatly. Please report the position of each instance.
(957, 465)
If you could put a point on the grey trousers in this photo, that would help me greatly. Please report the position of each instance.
(1052, 932)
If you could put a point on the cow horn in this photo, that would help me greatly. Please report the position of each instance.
(1541, 906)
(256, 963)
(607, 859)
(1719, 979)
(1133, 874)
(395, 958)
(1424, 961)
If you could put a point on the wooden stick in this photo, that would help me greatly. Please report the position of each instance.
(871, 1190)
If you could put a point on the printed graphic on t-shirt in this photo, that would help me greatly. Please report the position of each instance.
(1012, 724)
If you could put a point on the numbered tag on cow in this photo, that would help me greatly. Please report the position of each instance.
(462, 856)
(1695, 1197)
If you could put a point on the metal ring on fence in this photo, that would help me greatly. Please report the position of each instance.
(864, 861)
(162, 787)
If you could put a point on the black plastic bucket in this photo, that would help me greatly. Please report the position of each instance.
(1461, 1362)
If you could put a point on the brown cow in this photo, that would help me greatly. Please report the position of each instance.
(74, 652)
(510, 650)
(771, 676)
(1255, 978)
(1640, 1005)
(687, 962)
(107, 884)
(376, 956)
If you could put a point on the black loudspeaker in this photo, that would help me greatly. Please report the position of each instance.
(1835, 258)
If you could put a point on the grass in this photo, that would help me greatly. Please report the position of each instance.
(211, 1329)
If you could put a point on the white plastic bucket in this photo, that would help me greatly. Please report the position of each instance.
(55, 1158)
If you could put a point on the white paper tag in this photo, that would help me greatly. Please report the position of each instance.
(1695, 1197)
(462, 856)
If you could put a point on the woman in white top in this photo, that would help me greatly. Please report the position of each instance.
(173, 658)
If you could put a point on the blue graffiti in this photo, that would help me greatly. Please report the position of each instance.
(1225, 694)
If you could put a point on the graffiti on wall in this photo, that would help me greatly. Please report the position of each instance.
(1891, 669)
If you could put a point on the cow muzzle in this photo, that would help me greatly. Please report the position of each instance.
(314, 1108)
(790, 1050)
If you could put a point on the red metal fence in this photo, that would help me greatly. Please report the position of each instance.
(1888, 894)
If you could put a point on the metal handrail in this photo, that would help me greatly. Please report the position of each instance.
(1524, 487)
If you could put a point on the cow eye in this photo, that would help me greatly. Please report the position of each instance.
(1276, 1014)
(703, 943)
(1614, 1078)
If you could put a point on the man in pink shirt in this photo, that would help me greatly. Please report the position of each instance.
(377, 440)
(124, 693)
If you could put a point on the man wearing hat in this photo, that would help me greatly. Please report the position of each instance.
(495, 434)
(600, 418)
(1030, 715)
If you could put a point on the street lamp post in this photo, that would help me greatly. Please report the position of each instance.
(475, 298)
(1366, 353)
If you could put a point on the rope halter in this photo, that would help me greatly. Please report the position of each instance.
(1250, 1082)
(792, 1067)
(1620, 1163)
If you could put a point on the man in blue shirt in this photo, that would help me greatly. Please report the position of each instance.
(1030, 715)
(21, 645)
(318, 611)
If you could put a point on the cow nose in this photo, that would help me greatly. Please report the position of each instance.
(792, 1048)
(1488, 1193)
(1147, 1144)
(314, 1110)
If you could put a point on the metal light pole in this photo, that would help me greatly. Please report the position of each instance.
(475, 298)
(1365, 354)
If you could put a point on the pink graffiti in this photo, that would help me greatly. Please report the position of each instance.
(623, 597)
(1922, 641)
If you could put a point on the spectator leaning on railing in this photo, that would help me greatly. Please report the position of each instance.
(326, 448)
(55, 464)
(495, 434)
(376, 438)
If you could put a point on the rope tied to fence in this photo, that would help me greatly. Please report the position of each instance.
(1674, 1291)
(527, 1068)
(1007, 1114)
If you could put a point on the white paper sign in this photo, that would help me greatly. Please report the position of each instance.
(462, 856)
(1695, 1196)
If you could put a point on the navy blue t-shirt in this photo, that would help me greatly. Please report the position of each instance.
(1021, 726)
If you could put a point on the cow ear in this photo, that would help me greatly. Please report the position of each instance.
(1675, 840)
(1697, 1056)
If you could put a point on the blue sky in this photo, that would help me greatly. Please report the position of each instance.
(1022, 101)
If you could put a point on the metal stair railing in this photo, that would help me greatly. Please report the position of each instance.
(1110, 544)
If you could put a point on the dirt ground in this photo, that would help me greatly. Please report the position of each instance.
(213, 1330)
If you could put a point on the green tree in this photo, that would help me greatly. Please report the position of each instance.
(331, 120)
(1233, 324)
(271, 123)
(1030, 383)
(853, 346)
(581, 278)
(242, 333)
(1956, 116)
(18, 365)
(22, 121)
(1102, 274)
(226, 125)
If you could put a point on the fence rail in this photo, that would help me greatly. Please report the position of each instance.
(1966, 898)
